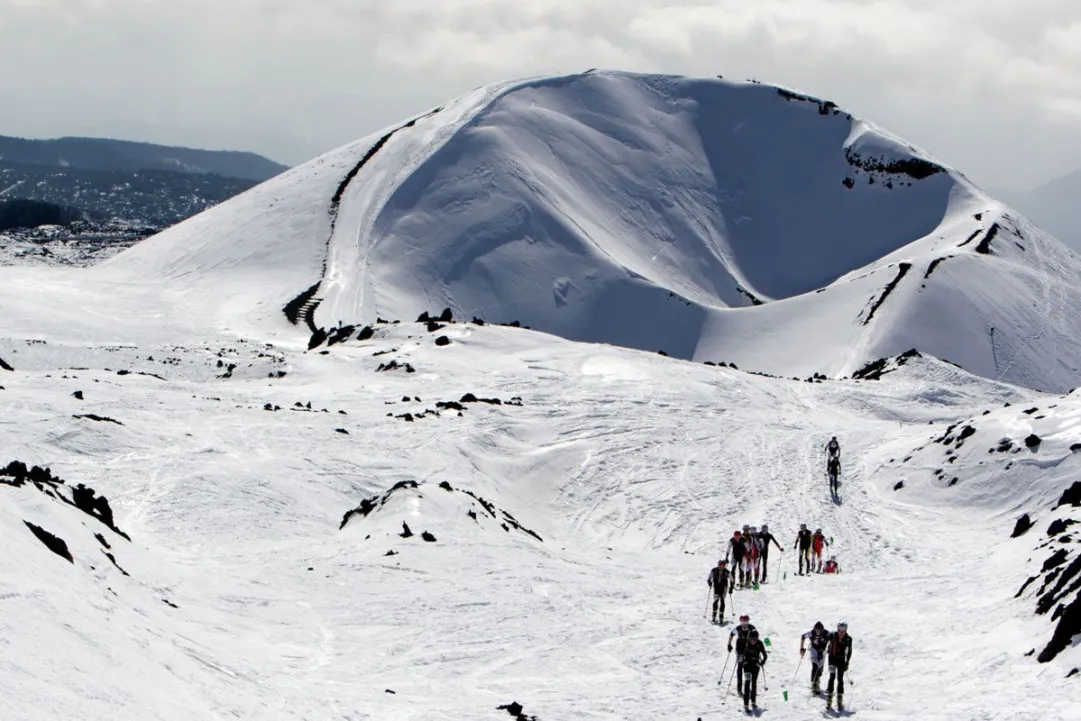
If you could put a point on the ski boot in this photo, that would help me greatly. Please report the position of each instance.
(840, 702)
(815, 688)
(829, 701)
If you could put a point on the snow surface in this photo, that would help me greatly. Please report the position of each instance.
(706, 218)
(574, 522)
(632, 468)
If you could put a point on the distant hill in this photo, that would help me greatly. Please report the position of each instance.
(22, 213)
(122, 155)
(1054, 207)
(151, 185)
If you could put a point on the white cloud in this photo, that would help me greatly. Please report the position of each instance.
(290, 77)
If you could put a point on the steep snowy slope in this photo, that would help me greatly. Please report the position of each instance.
(369, 534)
(710, 219)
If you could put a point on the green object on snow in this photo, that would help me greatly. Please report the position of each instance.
(785, 694)
(766, 641)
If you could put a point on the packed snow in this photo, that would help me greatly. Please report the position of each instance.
(435, 519)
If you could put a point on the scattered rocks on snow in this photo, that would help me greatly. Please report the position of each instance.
(1024, 523)
(899, 485)
(365, 333)
(96, 417)
(1071, 496)
(515, 709)
(442, 340)
(77, 395)
(406, 533)
(53, 543)
(428, 537)
(1032, 441)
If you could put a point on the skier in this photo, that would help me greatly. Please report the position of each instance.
(766, 537)
(832, 566)
(833, 449)
(833, 470)
(741, 633)
(754, 657)
(803, 544)
(721, 583)
(735, 554)
(751, 555)
(839, 652)
(818, 543)
(818, 638)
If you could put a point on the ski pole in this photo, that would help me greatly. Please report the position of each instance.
(764, 681)
(728, 691)
(705, 613)
(797, 667)
(725, 668)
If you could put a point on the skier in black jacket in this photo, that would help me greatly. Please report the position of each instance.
(742, 633)
(833, 470)
(818, 638)
(754, 657)
(803, 545)
(838, 653)
(735, 553)
(766, 537)
(720, 580)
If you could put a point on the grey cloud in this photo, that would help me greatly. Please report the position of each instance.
(992, 87)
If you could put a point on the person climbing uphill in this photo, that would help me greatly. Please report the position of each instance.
(831, 566)
(839, 653)
(833, 449)
(742, 634)
(766, 538)
(735, 554)
(803, 546)
(754, 657)
(818, 543)
(721, 582)
(818, 638)
(833, 470)
(752, 555)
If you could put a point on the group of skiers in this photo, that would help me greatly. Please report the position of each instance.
(748, 551)
(832, 649)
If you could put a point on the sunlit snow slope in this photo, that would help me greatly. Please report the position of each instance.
(710, 219)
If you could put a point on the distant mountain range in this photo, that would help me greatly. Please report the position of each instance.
(154, 185)
(1055, 208)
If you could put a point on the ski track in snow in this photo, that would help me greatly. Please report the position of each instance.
(633, 468)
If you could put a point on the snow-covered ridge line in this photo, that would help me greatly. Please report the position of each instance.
(700, 217)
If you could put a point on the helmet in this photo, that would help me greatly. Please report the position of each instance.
(803, 526)
(818, 530)
(754, 529)
(765, 527)
(818, 625)
(736, 533)
(753, 635)
(744, 618)
(842, 626)
(722, 562)
(746, 527)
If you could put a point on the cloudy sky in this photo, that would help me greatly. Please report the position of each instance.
(992, 87)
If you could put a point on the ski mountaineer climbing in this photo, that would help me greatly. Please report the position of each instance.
(839, 653)
(735, 553)
(818, 543)
(831, 566)
(742, 633)
(818, 638)
(803, 544)
(754, 657)
(721, 583)
(752, 555)
(833, 470)
(833, 449)
(766, 537)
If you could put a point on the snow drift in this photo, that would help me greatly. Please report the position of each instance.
(713, 220)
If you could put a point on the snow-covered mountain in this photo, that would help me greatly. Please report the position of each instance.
(709, 219)
(205, 518)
